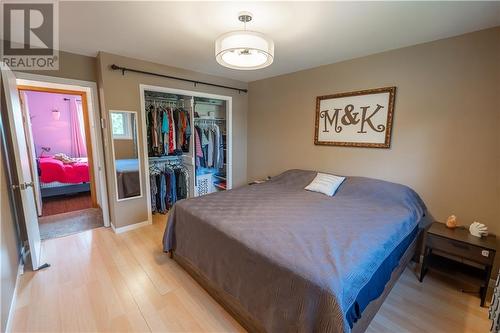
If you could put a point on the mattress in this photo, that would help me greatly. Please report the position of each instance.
(56, 189)
(128, 178)
(296, 260)
(53, 184)
(375, 286)
(127, 165)
(52, 170)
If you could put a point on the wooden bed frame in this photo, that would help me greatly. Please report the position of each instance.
(232, 305)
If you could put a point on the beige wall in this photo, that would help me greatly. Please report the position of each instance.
(120, 92)
(124, 149)
(73, 66)
(446, 131)
(9, 249)
(9, 244)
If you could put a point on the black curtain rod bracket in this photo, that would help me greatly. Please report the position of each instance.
(194, 82)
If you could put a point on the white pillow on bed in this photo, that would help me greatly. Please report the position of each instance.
(325, 183)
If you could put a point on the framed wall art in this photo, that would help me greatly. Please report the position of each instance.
(355, 119)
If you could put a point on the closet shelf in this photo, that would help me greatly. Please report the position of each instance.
(220, 177)
(220, 186)
(164, 158)
(213, 119)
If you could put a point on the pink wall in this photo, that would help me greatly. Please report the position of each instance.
(48, 132)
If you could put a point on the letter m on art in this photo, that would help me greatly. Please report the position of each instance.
(331, 120)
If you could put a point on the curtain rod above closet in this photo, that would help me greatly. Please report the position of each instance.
(124, 69)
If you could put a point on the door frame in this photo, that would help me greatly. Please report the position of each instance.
(190, 158)
(88, 140)
(88, 91)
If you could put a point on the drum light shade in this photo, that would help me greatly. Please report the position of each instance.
(244, 50)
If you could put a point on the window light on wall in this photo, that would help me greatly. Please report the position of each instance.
(56, 114)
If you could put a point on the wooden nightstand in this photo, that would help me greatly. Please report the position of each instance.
(458, 252)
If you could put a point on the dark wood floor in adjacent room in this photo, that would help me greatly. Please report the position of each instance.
(66, 203)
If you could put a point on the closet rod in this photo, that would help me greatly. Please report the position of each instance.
(167, 100)
(124, 69)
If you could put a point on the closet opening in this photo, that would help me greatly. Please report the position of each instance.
(57, 128)
(210, 145)
(188, 145)
(169, 130)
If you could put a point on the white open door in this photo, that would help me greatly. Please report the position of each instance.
(22, 163)
(31, 150)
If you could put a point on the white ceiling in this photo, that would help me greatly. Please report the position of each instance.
(306, 34)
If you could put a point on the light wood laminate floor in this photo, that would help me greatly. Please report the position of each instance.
(101, 281)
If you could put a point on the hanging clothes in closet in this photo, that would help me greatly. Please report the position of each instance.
(168, 130)
(209, 146)
(168, 184)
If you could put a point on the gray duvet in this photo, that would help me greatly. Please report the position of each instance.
(294, 260)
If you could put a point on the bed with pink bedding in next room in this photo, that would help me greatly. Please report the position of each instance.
(59, 178)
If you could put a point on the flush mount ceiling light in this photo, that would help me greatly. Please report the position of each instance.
(243, 49)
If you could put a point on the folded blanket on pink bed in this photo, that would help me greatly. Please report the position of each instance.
(52, 170)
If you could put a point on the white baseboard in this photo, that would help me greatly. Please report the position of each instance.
(20, 271)
(129, 227)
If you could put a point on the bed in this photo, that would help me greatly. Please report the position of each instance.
(283, 259)
(58, 178)
(128, 178)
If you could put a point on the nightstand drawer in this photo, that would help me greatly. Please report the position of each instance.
(461, 249)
